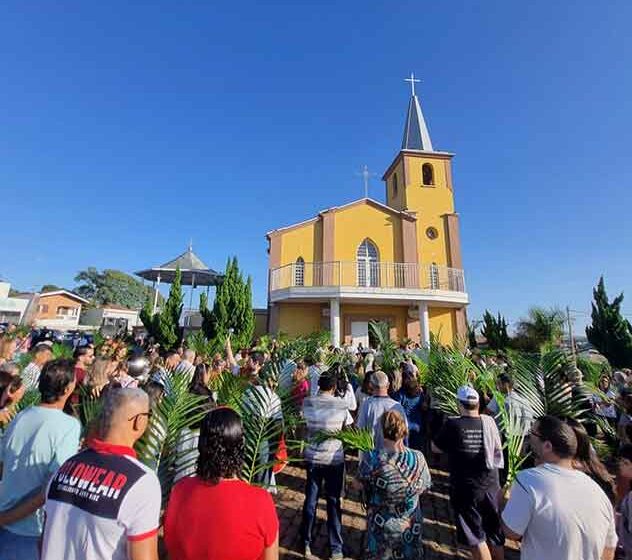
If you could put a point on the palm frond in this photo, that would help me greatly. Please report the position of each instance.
(513, 427)
(90, 406)
(32, 397)
(449, 369)
(266, 415)
(542, 381)
(352, 438)
(178, 409)
(389, 355)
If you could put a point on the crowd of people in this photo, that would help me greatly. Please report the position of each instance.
(78, 491)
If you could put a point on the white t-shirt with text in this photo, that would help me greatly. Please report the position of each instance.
(96, 503)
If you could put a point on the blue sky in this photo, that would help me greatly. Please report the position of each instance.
(127, 130)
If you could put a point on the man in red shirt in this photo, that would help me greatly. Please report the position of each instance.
(84, 358)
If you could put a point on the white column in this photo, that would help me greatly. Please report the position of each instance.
(156, 294)
(424, 324)
(334, 321)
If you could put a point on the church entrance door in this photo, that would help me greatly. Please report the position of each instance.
(360, 333)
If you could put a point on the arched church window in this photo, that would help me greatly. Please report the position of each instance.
(368, 264)
(395, 185)
(427, 174)
(299, 272)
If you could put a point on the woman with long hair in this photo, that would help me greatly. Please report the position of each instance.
(214, 514)
(587, 460)
(218, 366)
(200, 381)
(300, 384)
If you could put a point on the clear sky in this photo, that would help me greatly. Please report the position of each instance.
(127, 130)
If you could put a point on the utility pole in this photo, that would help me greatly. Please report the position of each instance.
(570, 334)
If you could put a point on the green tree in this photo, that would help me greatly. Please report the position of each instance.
(50, 288)
(495, 331)
(232, 309)
(147, 318)
(471, 333)
(164, 326)
(112, 287)
(167, 323)
(542, 329)
(610, 332)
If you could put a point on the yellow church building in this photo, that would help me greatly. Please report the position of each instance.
(398, 261)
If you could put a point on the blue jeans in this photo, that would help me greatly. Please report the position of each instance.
(333, 478)
(17, 547)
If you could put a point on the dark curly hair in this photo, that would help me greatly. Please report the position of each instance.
(221, 445)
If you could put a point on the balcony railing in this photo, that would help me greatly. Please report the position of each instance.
(367, 274)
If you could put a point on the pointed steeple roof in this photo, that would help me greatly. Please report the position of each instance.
(416, 135)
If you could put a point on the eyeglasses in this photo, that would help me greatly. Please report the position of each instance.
(148, 414)
(535, 434)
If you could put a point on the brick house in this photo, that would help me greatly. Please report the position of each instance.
(59, 309)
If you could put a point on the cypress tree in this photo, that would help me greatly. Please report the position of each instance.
(166, 324)
(495, 331)
(232, 309)
(610, 332)
(147, 317)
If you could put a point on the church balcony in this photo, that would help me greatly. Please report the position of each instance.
(369, 281)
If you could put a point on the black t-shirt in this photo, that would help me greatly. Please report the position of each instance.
(462, 439)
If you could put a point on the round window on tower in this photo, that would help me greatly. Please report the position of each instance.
(432, 233)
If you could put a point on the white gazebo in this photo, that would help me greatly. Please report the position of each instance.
(193, 271)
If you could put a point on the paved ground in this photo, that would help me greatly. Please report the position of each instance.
(439, 530)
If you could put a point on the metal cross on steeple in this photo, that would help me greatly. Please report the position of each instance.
(366, 175)
(412, 81)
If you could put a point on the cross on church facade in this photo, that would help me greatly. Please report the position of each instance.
(412, 81)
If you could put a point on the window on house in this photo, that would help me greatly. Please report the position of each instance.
(394, 185)
(64, 311)
(368, 264)
(299, 272)
(42, 308)
(427, 174)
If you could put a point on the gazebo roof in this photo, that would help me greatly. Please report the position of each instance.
(193, 271)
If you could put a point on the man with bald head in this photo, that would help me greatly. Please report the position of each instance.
(372, 409)
(103, 502)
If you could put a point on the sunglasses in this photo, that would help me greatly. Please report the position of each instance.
(535, 434)
(148, 414)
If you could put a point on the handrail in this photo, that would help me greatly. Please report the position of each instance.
(367, 274)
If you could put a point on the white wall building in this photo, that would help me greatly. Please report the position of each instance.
(12, 309)
(112, 316)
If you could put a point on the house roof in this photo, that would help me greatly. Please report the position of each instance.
(64, 293)
(368, 201)
(115, 307)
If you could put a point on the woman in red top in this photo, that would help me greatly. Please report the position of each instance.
(214, 515)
